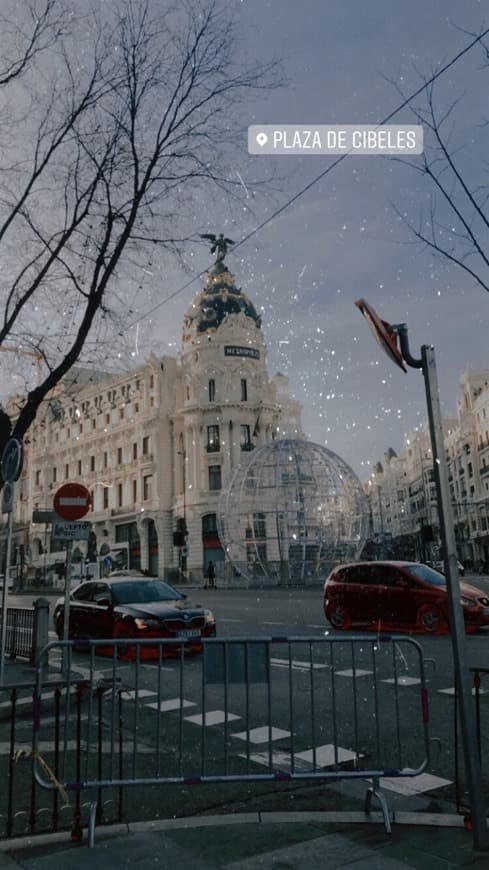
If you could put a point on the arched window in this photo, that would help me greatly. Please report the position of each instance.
(209, 526)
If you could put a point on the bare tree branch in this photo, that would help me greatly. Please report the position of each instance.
(139, 124)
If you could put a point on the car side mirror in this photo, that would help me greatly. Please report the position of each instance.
(104, 602)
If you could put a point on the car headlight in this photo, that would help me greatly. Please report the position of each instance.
(145, 622)
(467, 602)
(209, 617)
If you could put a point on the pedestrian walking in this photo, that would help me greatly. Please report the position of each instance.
(211, 576)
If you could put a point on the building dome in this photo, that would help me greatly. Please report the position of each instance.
(218, 299)
(291, 512)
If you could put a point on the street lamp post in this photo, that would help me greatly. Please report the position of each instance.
(387, 335)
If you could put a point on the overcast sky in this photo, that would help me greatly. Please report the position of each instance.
(343, 239)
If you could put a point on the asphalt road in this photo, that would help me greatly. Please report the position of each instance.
(373, 693)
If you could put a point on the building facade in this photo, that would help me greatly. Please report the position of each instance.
(402, 494)
(155, 445)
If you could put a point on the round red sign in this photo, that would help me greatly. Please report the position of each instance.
(72, 501)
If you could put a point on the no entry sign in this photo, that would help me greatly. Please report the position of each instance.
(72, 501)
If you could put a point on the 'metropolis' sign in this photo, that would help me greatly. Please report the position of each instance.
(236, 350)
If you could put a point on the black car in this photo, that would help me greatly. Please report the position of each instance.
(133, 607)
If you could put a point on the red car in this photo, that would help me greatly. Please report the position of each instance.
(397, 595)
(134, 607)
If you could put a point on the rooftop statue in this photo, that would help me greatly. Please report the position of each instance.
(219, 244)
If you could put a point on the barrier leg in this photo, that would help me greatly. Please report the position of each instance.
(92, 818)
(374, 790)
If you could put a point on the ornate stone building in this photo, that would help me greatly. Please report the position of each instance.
(155, 445)
(402, 488)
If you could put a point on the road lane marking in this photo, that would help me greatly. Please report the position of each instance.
(413, 785)
(325, 755)
(172, 704)
(451, 691)
(303, 761)
(349, 672)
(296, 665)
(131, 694)
(403, 681)
(262, 734)
(273, 623)
(212, 717)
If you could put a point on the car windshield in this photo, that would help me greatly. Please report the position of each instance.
(143, 591)
(427, 574)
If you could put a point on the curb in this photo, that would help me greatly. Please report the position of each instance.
(439, 820)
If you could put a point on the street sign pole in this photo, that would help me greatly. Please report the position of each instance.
(387, 335)
(66, 618)
(456, 619)
(4, 599)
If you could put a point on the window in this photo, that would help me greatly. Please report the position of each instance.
(119, 494)
(105, 460)
(106, 497)
(245, 438)
(107, 418)
(209, 527)
(212, 439)
(151, 381)
(244, 390)
(121, 413)
(212, 390)
(147, 487)
(146, 445)
(92, 463)
(214, 477)
(67, 471)
(79, 466)
(119, 456)
(38, 478)
(94, 423)
(135, 450)
(134, 490)
(54, 474)
(259, 526)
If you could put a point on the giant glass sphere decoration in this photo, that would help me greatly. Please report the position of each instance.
(292, 511)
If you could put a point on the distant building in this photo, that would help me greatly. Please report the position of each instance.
(402, 492)
(155, 445)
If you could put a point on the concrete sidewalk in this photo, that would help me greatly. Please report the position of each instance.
(258, 841)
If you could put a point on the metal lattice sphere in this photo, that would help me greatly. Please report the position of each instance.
(291, 512)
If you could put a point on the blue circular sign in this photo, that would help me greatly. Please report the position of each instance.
(12, 460)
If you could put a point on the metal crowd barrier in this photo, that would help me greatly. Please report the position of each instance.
(480, 690)
(245, 709)
(19, 632)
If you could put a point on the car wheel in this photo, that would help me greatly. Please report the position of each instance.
(122, 631)
(431, 619)
(338, 616)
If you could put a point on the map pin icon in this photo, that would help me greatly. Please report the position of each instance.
(262, 139)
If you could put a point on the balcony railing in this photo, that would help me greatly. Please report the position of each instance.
(213, 447)
(247, 446)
